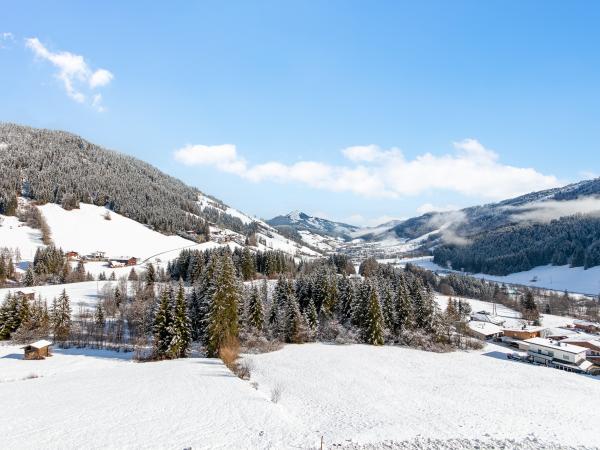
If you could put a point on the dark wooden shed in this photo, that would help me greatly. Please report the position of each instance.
(37, 350)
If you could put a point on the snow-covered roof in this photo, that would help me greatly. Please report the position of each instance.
(485, 328)
(40, 344)
(577, 340)
(527, 328)
(562, 346)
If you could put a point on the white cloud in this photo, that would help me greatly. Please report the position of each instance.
(545, 211)
(471, 170)
(428, 207)
(6, 38)
(100, 77)
(73, 72)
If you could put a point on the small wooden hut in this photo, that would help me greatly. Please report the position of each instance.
(37, 350)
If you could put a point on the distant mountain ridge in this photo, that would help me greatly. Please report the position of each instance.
(301, 221)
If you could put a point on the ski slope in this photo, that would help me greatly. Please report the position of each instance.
(347, 394)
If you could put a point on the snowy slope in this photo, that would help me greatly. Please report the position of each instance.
(14, 234)
(108, 402)
(347, 394)
(397, 393)
(85, 230)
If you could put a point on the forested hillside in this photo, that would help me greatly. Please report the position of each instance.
(573, 240)
(59, 167)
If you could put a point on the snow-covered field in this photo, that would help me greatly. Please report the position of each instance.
(558, 278)
(352, 394)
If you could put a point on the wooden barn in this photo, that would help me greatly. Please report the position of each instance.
(37, 350)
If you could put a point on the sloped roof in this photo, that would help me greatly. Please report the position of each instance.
(40, 344)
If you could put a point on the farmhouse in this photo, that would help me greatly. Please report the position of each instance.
(37, 350)
(558, 354)
(122, 261)
(485, 330)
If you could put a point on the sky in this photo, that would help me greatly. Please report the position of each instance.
(356, 111)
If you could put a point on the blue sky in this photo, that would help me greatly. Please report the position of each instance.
(361, 111)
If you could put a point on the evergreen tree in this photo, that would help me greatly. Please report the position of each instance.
(29, 277)
(255, 310)
(180, 331)
(312, 318)
(404, 309)
(374, 325)
(248, 265)
(387, 307)
(61, 317)
(196, 313)
(222, 320)
(162, 325)
(133, 276)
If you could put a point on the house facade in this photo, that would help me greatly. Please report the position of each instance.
(558, 354)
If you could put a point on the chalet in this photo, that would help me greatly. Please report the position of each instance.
(558, 354)
(587, 326)
(485, 330)
(72, 256)
(37, 350)
(122, 261)
(523, 333)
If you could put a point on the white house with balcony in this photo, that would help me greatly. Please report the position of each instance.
(558, 354)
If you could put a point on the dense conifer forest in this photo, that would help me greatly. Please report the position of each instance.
(573, 240)
(59, 167)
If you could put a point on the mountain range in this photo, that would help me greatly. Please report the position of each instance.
(556, 226)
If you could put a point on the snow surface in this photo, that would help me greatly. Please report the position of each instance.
(85, 230)
(349, 394)
(558, 278)
(14, 234)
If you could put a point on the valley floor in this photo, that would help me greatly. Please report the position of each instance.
(352, 395)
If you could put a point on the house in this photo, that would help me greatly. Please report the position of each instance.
(587, 326)
(37, 350)
(72, 256)
(592, 346)
(96, 256)
(558, 354)
(122, 261)
(485, 330)
(523, 333)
